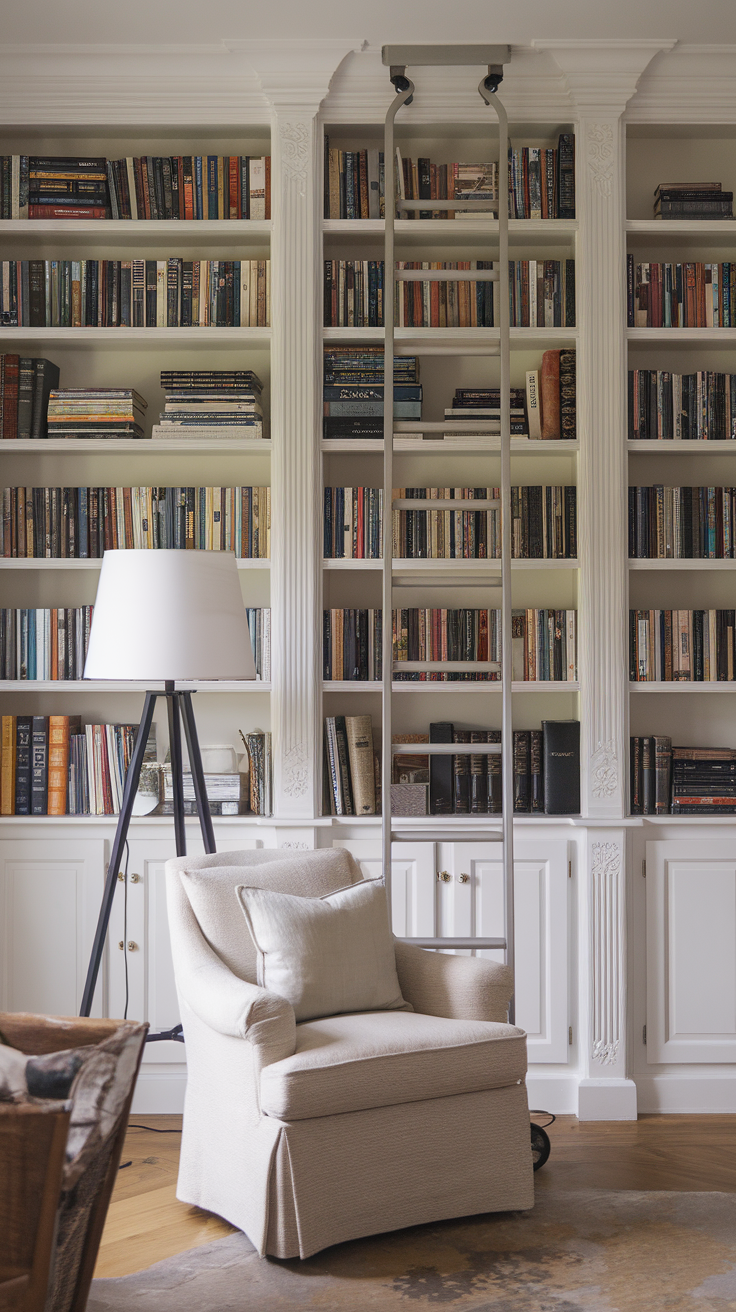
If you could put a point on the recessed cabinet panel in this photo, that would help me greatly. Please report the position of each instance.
(50, 895)
(413, 880)
(472, 903)
(691, 952)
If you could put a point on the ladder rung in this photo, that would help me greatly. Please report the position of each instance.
(444, 503)
(478, 943)
(445, 835)
(459, 667)
(465, 427)
(477, 203)
(445, 749)
(446, 275)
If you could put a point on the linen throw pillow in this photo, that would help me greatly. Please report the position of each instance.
(326, 955)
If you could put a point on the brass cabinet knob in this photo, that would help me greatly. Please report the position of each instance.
(464, 879)
(444, 876)
(132, 947)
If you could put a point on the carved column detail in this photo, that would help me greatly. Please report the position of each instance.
(295, 565)
(607, 952)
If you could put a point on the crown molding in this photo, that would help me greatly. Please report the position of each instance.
(602, 76)
(689, 84)
(295, 74)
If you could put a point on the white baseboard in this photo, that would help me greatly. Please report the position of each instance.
(553, 1093)
(708, 1094)
(607, 1100)
(158, 1092)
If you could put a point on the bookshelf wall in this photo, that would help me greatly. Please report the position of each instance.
(639, 114)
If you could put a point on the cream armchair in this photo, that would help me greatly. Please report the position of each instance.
(306, 1135)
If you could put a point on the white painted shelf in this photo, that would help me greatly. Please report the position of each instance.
(138, 230)
(491, 685)
(181, 337)
(662, 685)
(521, 446)
(38, 562)
(682, 564)
(726, 447)
(110, 685)
(452, 566)
(147, 446)
(705, 337)
(706, 232)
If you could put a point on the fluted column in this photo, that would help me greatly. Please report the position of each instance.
(294, 77)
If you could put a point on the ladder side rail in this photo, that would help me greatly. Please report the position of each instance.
(491, 99)
(405, 90)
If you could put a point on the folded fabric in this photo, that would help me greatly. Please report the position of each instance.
(326, 955)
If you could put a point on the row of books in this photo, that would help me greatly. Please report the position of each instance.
(167, 293)
(665, 406)
(682, 645)
(44, 643)
(544, 643)
(26, 384)
(543, 524)
(96, 412)
(51, 765)
(692, 295)
(541, 294)
(692, 200)
(682, 523)
(541, 183)
(145, 187)
(82, 522)
(667, 780)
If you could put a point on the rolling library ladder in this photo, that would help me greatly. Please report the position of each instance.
(398, 58)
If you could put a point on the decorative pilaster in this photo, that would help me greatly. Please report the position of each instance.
(601, 76)
(294, 77)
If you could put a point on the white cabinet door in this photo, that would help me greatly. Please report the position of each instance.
(691, 951)
(49, 901)
(413, 883)
(471, 903)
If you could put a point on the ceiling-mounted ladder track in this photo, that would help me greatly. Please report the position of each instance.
(398, 59)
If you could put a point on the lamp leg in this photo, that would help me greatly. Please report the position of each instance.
(177, 778)
(195, 764)
(121, 834)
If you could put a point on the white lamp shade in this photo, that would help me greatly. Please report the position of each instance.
(169, 615)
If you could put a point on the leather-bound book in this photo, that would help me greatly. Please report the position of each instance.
(549, 386)
(561, 767)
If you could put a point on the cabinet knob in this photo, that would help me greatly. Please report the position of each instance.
(464, 879)
(135, 879)
(444, 876)
(132, 947)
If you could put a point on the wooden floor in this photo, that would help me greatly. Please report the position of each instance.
(145, 1222)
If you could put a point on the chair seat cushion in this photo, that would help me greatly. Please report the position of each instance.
(379, 1059)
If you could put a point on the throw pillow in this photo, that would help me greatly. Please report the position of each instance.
(326, 955)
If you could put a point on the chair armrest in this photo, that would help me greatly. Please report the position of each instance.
(459, 988)
(229, 1005)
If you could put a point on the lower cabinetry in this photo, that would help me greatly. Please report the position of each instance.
(676, 947)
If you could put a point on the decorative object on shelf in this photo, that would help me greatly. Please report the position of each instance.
(193, 604)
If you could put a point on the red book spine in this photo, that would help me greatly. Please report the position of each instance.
(234, 186)
(66, 212)
(268, 186)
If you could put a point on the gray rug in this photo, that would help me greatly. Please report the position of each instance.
(579, 1251)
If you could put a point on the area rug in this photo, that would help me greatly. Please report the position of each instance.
(579, 1251)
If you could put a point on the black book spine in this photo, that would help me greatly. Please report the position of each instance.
(441, 771)
(522, 770)
(662, 771)
(344, 765)
(648, 776)
(536, 753)
(561, 767)
(636, 779)
(461, 772)
(479, 775)
(566, 176)
(23, 732)
(39, 765)
(45, 380)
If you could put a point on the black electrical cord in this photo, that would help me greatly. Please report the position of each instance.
(551, 1121)
(154, 1129)
(125, 929)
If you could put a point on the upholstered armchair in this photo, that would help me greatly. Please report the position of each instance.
(307, 1133)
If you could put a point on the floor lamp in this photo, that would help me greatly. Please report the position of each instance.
(164, 616)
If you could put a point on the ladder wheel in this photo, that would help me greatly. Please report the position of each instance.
(541, 1146)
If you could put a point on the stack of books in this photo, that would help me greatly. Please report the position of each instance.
(63, 187)
(682, 646)
(484, 403)
(167, 293)
(682, 523)
(211, 403)
(25, 387)
(353, 391)
(692, 200)
(227, 794)
(190, 187)
(44, 644)
(665, 406)
(96, 412)
(695, 295)
(84, 522)
(667, 780)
